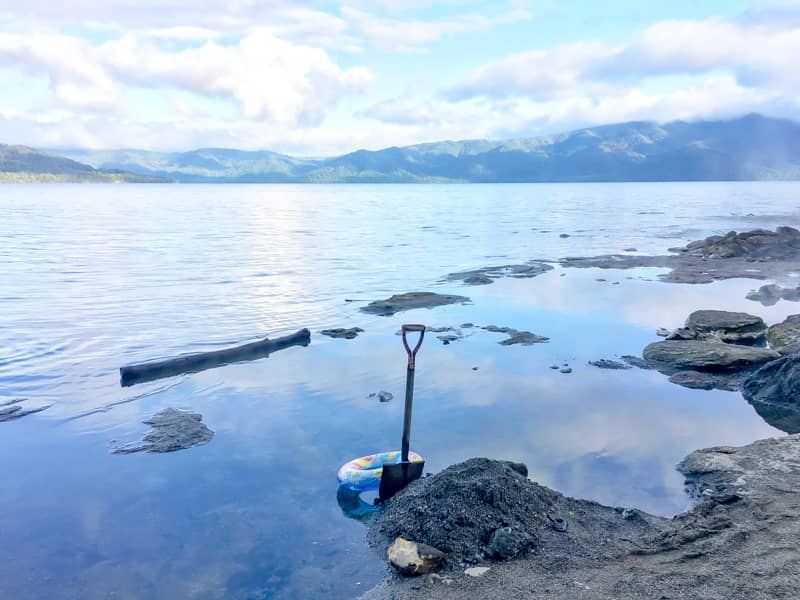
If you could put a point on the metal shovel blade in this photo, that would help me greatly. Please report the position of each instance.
(397, 476)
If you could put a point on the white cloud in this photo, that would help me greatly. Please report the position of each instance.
(755, 54)
(270, 78)
(75, 80)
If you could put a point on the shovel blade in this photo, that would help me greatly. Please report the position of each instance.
(397, 476)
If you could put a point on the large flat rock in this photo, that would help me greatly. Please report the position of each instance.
(731, 327)
(706, 355)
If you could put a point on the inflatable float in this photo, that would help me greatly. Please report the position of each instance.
(362, 474)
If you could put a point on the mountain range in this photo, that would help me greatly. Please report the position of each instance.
(20, 164)
(752, 147)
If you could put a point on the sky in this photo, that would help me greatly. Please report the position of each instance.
(324, 77)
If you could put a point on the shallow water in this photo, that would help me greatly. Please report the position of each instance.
(95, 277)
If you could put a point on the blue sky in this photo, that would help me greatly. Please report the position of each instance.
(320, 77)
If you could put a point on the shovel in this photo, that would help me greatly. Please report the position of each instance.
(397, 476)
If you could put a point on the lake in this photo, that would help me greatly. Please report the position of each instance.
(96, 277)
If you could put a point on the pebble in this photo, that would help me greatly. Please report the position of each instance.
(476, 571)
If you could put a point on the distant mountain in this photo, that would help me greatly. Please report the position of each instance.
(749, 148)
(20, 164)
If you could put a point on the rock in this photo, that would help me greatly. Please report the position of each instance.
(776, 384)
(478, 279)
(487, 275)
(564, 235)
(730, 327)
(784, 334)
(705, 355)
(411, 558)
(555, 367)
(526, 338)
(506, 543)
(172, 430)
(341, 332)
(476, 571)
(446, 339)
(467, 325)
(608, 364)
(662, 332)
(410, 301)
(565, 370)
(757, 254)
(629, 250)
(385, 396)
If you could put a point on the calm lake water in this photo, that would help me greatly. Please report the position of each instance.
(95, 277)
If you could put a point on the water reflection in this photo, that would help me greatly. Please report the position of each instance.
(255, 514)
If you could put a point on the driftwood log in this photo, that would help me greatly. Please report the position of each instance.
(192, 363)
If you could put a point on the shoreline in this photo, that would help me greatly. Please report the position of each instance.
(738, 541)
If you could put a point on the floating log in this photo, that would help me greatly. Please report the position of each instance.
(193, 363)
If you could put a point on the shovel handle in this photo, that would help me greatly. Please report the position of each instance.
(412, 354)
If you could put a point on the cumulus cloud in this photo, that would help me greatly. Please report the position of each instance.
(756, 54)
(74, 80)
(270, 78)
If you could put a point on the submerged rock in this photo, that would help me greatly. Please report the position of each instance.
(487, 275)
(706, 355)
(14, 409)
(604, 363)
(410, 301)
(525, 338)
(341, 332)
(784, 334)
(757, 254)
(769, 295)
(777, 385)
(172, 430)
(722, 325)
(411, 558)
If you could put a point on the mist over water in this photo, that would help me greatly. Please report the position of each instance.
(96, 277)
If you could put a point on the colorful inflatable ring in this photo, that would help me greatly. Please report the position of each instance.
(364, 473)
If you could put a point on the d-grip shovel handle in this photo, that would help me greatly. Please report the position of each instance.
(412, 354)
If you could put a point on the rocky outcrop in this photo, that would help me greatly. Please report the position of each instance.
(172, 430)
(722, 325)
(410, 301)
(782, 336)
(738, 541)
(771, 294)
(756, 254)
(706, 355)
